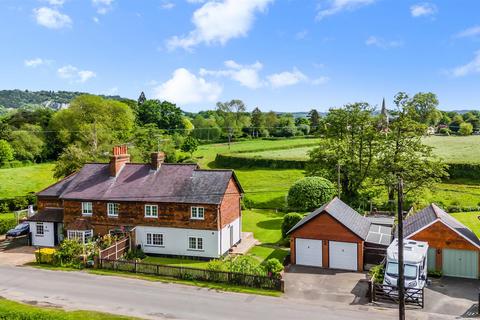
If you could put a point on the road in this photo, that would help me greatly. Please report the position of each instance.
(156, 300)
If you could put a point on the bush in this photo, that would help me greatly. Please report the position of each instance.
(245, 265)
(444, 131)
(273, 267)
(135, 254)
(45, 255)
(310, 193)
(377, 273)
(68, 253)
(434, 273)
(466, 129)
(289, 220)
(247, 203)
(453, 209)
(7, 224)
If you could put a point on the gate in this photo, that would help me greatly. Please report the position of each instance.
(387, 293)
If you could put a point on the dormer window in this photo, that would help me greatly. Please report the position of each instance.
(87, 208)
(197, 213)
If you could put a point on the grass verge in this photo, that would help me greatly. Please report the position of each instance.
(12, 310)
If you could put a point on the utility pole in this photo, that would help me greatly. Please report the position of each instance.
(339, 185)
(401, 275)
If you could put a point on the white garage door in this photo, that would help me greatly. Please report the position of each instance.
(308, 252)
(342, 255)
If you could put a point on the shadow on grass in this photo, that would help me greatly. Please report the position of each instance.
(272, 224)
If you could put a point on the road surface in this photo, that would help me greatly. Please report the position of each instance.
(156, 300)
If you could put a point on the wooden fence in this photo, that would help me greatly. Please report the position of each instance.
(116, 250)
(263, 282)
(387, 293)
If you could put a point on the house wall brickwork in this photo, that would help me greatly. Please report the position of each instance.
(48, 202)
(230, 208)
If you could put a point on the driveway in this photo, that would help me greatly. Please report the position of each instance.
(308, 283)
(452, 296)
(17, 256)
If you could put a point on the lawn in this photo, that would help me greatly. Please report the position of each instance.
(177, 262)
(286, 154)
(449, 194)
(20, 181)
(469, 219)
(14, 310)
(456, 149)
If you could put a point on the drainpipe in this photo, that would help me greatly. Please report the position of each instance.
(220, 230)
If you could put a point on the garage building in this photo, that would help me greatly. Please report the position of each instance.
(453, 248)
(333, 236)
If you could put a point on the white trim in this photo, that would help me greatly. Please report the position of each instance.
(116, 209)
(446, 225)
(151, 206)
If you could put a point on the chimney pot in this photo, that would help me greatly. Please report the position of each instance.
(119, 158)
(157, 158)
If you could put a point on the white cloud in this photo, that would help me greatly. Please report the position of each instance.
(195, 1)
(470, 32)
(382, 43)
(286, 78)
(216, 22)
(321, 80)
(423, 9)
(246, 75)
(469, 68)
(337, 6)
(51, 18)
(73, 74)
(103, 6)
(167, 5)
(36, 62)
(58, 3)
(185, 87)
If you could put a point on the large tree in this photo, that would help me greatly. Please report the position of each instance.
(232, 117)
(164, 114)
(348, 150)
(314, 118)
(403, 155)
(257, 120)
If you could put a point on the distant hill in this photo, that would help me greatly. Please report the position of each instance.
(52, 99)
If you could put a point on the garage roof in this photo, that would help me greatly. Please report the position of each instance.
(339, 210)
(431, 214)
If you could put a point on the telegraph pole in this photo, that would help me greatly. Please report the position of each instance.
(401, 275)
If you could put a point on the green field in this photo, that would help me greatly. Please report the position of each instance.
(20, 181)
(469, 219)
(14, 310)
(456, 149)
(286, 154)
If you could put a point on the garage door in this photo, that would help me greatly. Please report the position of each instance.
(432, 259)
(308, 252)
(342, 255)
(460, 263)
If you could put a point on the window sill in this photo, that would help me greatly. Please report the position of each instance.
(39, 235)
(149, 217)
(197, 250)
(197, 218)
(154, 246)
(87, 214)
(112, 216)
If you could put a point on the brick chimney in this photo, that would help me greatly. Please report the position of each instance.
(157, 158)
(119, 158)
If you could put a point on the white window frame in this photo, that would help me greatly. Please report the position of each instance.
(197, 213)
(150, 239)
(82, 236)
(87, 208)
(149, 211)
(112, 209)
(198, 243)
(42, 228)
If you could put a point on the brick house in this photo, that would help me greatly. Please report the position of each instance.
(173, 209)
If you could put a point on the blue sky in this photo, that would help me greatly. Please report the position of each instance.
(283, 55)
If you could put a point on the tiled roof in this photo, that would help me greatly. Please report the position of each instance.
(432, 213)
(48, 215)
(339, 210)
(183, 183)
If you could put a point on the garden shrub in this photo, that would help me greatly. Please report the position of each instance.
(273, 267)
(68, 253)
(453, 209)
(244, 264)
(444, 131)
(377, 273)
(216, 265)
(310, 193)
(247, 203)
(7, 224)
(135, 254)
(434, 273)
(45, 255)
(290, 220)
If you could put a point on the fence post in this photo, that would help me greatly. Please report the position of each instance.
(135, 261)
(158, 269)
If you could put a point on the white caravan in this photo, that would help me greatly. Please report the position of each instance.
(415, 262)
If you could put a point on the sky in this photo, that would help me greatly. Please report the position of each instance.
(281, 55)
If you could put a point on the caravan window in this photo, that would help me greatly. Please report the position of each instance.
(410, 270)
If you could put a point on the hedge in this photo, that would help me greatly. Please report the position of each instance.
(7, 224)
(464, 170)
(17, 203)
(232, 161)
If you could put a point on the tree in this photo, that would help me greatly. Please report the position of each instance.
(190, 145)
(286, 126)
(457, 120)
(466, 129)
(289, 221)
(27, 142)
(352, 142)
(206, 128)
(314, 118)
(232, 117)
(71, 160)
(257, 120)
(310, 193)
(425, 107)
(403, 155)
(164, 114)
(6, 152)
(271, 122)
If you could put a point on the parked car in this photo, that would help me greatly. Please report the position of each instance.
(20, 230)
